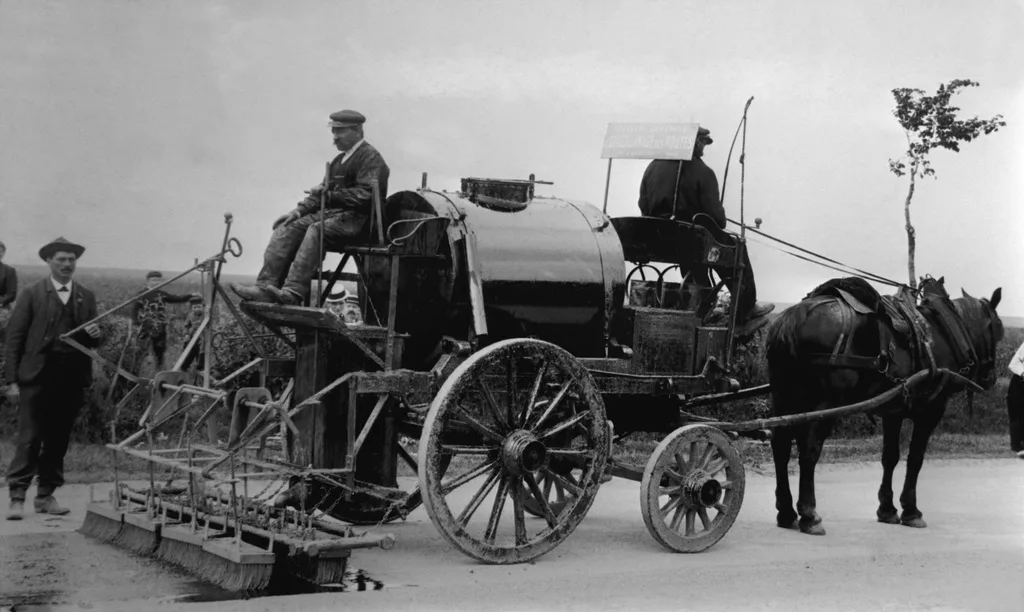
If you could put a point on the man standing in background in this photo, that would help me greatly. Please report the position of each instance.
(48, 376)
(1015, 402)
(8, 290)
(149, 313)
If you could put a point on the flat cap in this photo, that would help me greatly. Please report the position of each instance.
(346, 118)
(195, 299)
(153, 274)
(705, 135)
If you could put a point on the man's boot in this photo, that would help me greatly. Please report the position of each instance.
(285, 297)
(16, 510)
(48, 505)
(254, 293)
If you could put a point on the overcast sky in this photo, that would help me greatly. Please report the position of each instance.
(132, 126)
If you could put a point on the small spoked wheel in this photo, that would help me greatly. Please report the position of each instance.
(516, 422)
(692, 489)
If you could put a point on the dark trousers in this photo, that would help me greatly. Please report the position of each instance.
(293, 254)
(1015, 408)
(747, 293)
(46, 414)
(154, 337)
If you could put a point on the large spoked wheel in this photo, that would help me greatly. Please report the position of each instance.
(513, 416)
(692, 489)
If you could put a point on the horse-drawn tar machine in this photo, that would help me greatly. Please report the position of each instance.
(503, 349)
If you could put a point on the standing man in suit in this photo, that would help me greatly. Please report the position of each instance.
(293, 257)
(8, 290)
(48, 376)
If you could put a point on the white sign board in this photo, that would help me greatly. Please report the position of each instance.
(650, 141)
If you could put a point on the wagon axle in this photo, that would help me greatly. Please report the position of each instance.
(522, 452)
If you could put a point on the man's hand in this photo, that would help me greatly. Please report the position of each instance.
(287, 218)
(315, 190)
(13, 393)
(93, 330)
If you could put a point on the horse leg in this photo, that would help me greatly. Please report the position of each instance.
(923, 429)
(809, 445)
(887, 512)
(782, 442)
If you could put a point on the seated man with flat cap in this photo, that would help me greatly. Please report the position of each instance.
(293, 256)
(698, 193)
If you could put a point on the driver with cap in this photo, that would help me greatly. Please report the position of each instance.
(293, 256)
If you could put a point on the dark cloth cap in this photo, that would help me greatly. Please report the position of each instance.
(60, 244)
(705, 135)
(346, 118)
(195, 299)
(153, 274)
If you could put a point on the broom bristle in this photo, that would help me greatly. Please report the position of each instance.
(100, 527)
(185, 555)
(235, 576)
(137, 540)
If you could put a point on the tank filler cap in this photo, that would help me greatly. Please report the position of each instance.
(505, 195)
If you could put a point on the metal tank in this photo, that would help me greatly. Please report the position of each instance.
(533, 266)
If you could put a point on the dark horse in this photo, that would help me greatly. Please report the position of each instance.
(823, 353)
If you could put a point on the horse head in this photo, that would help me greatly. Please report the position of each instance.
(985, 329)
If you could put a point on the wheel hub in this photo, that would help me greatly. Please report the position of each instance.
(522, 452)
(701, 490)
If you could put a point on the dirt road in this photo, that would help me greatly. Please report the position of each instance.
(971, 557)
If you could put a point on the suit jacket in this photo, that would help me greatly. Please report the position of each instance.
(350, 186)
(8, 284)
(32, 332)
(698, 191)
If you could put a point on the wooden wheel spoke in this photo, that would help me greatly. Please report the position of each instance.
(673, 502)
(674, 476)
(534, 390)
(717, 466)
(491, 404)
(458, 481)
(552, 406)
(561, 482)
(511, 373)
(484, 430)
(478, 498)
(677, 516)
(682, 462)
(702, 512)
(721, 507)
(517, 510)
(566, 424)
(457, 449)
(671, 491)
(495, 518)
(541, 497)
(727, 485)
(709, 450)
(569, 452)
(690, 516)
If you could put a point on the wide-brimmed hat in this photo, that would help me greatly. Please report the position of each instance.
(60, 244)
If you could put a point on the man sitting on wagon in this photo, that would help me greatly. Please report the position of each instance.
(698, 193)
(293, 256)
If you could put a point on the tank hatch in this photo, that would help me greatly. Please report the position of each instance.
(500, 194)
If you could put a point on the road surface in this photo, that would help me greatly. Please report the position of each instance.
(971, 557)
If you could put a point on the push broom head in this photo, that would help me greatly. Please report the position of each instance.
(102, 522)
(140, 534)
(327, 567)
(181, 546)
(236, 566)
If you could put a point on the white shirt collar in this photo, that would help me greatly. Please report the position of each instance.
(57, 285)
(352, 150)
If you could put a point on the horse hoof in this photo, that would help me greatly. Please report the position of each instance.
(916, 522)
(889, 519)
(815, 529)
(794, 524)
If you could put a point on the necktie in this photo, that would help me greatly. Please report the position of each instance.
(63, 289)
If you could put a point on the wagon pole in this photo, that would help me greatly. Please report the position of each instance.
(734, 299)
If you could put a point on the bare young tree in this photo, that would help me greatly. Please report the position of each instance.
(929, 122)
